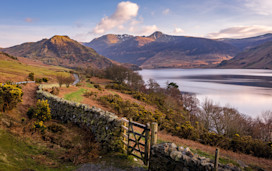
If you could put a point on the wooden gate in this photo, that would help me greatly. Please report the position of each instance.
(137, 143)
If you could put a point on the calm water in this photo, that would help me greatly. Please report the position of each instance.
(248, 90)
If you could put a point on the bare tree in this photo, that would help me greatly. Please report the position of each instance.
(68, 80)
(60, 79)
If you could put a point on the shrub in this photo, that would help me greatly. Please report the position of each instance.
(38, 80)
(40, 125)
(56, 128)
(41, 111)
(89, 94)
(10, 96)
(31, 76)
(78, 84)
(44, 79)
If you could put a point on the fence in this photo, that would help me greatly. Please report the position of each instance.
(138, 144)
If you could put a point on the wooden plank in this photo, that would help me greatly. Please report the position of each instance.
(124, 120)
(136, 133)
(124, 135)
(135, 149)
(136, 156)
(137, 142)
(124, 127)
(138, 124)
(125, 142)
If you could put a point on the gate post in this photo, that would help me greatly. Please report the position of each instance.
(154, 133)
(147, 143)
(216, 160)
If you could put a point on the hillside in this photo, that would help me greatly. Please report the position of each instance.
(257, 57)
(17, 69)
(161, 50)
(250, 42)
(60, 50)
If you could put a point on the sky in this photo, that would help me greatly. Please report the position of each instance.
(83, 20)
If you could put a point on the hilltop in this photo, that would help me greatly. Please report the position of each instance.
(60, 50)
(257, 57)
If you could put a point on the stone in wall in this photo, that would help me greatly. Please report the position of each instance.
(169, 157)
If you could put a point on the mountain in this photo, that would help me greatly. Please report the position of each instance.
(247, 43)
(60, 50)
(161, 50)
(258, 57)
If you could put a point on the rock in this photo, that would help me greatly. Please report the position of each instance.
(181, 149)
(188, 152)
(174, 154)
(6, 122)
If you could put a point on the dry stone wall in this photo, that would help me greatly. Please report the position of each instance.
(169, 157)
(104, 125)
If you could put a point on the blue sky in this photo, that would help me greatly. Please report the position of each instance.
(32, 20)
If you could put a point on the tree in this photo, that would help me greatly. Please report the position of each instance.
(31, 76)
(68, 80)
(10, 96)
(60, 79)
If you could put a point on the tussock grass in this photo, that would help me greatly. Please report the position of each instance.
(76, 96)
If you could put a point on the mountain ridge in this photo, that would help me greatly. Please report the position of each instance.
(60, 50)
(139, 49)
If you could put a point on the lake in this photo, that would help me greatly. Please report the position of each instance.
(247, 90)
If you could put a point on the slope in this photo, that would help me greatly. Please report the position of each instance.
(60, 50)
(258, 57)
(17, 69)
(250, 42)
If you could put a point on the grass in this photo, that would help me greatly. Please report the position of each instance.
(16, 154)
(15, 70)
(75, 96)
(89, 85)
(122, 161)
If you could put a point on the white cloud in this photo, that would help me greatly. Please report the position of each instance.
(178, 30)
(166, 11)
(241, 31)
(125, 11)
(147, 30)
(262, 7)
(143, 30)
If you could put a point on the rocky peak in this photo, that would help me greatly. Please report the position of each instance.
(156, 35)
(60, 40)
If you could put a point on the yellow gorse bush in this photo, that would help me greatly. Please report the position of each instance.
(10, 96)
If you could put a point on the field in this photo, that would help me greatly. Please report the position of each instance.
(18, 70)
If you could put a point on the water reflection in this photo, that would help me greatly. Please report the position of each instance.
(248, 90)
